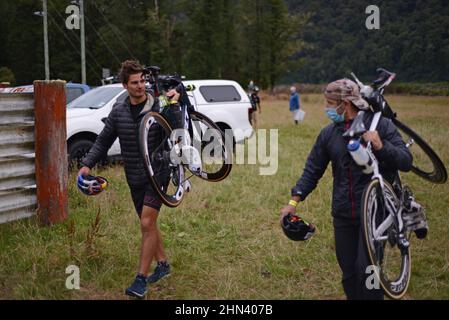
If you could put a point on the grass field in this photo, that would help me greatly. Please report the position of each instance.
(224, 241)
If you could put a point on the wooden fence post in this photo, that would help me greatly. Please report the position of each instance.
(51, 151)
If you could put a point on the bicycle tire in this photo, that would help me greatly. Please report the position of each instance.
(394, 288)
(224, 169)
(161, 173)
(438, 173)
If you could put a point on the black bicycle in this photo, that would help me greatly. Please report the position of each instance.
(173, 140)
(390, 213)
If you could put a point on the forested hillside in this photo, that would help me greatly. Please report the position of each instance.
(270, 41)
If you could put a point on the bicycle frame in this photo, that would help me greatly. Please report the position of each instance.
(393, 216)
(187, 131)
(386, 229)
(381, 108)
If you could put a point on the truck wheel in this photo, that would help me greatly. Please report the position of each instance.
(77, 150)
(223, 128)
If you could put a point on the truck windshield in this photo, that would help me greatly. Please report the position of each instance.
(96, 98)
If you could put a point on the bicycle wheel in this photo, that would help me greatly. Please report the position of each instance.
(210, 142)
(426, 162)
(166, 177)
(389, 256)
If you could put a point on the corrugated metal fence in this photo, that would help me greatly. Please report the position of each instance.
(33, 135)
(17, 170)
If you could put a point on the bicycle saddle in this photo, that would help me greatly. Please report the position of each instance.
(154, 70)
(358, 127)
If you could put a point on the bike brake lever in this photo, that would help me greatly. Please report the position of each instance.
(386, 83)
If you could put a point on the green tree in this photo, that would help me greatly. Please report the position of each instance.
(6, 75)
(269, 41)
(413, 40)
(22, 45)
(205, 55)
(281, 39)
(117, 31)
(272, 38)
(165, 25)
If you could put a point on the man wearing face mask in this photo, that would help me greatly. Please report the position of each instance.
(343, 101)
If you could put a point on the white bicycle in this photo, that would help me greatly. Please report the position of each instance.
(390, 213)
(200, 148)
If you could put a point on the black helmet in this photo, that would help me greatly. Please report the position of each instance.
(296, 229)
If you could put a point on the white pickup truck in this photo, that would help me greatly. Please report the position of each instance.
(223, 101)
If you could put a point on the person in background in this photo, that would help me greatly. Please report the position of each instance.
(250, 87)
(294, 102)
(255, 106)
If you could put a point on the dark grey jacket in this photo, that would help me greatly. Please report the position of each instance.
(349, 180)
(121, 124)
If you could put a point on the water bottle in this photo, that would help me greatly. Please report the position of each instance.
(360, 155)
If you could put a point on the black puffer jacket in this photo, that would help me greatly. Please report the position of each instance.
(121, 124)
(349, 180)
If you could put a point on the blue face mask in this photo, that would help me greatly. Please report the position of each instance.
(334, 115)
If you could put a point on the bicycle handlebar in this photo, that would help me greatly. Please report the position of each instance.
(373, 94)
(165, 83)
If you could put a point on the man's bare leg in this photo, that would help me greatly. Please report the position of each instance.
(148, 226)
(150, 237)
(160, 253)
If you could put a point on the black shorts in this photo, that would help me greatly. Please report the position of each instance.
(145, 196)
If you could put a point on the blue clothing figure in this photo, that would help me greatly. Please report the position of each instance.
(294, 102)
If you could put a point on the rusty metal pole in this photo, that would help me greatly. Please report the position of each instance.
(51, 151)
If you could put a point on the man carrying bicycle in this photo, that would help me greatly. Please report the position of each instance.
(343, 101)
(123, 122)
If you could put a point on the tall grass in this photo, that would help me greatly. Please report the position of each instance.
(224, 240)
